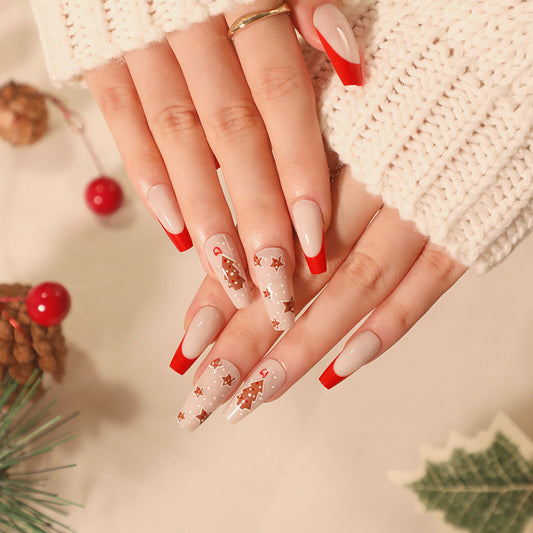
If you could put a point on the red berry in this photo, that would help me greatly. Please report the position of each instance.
(103, 195)
(48, 303)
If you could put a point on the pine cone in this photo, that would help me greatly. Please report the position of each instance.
(38, 347)
(23, 114)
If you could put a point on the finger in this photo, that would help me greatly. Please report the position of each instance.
(237, 135)
(180, 138)
(433, 273)
(380, 259)
(353, 208)
(275, 70)
(117, 97)
(324, 26)
(207, 315)
(248, 336)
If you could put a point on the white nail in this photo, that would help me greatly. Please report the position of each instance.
(331, 23)
(307, 219)
(262, 384)
(356, 353)
(162, 201)
(202, 331)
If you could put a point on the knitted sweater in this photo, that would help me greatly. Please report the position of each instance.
(442, 131)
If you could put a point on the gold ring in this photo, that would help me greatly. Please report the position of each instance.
(246, 20)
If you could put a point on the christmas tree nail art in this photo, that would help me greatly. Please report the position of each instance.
(214, 387)
(223, 256)
(275, 283)
(264, 381)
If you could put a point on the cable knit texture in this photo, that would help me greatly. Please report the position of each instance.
(79, 35)
(442, 131)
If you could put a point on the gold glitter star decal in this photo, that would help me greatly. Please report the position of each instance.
(203, 416)
(277, 263)
(266, 294)
(198, 392)
(258, 261)
(181, 417)
(227, 380)
(289, 305)
(275, 323)
(215, 364)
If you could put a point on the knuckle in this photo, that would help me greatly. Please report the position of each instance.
(400, 316)
(442, 266)
(117, 98)
(278, 82)
(236, 121)
(177, 120)
(363, 272)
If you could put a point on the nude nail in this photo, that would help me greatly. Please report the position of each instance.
(261, 385)
(271, 267)
(223, 256)
(355, 354)
(338, 39)
(215, 386)
(202, 331)
(307, 219)
(162, 201)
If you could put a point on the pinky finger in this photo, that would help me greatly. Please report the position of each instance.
(432, 274)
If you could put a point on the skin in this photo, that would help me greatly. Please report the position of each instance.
(385, 267)
(175, 104)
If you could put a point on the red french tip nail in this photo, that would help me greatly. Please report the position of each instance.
(349, 73)
(180, 363)
(329, 378)
(182, 241)
(318, 264)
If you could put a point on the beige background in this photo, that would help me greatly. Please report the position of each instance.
(313, 461)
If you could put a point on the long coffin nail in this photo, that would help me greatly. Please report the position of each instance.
(202, 331)
(338, 39)
(354, 355)
(271, 267)
(308, 224)
(223, 257)
(215, 386)
(162, 201)
(264, 381)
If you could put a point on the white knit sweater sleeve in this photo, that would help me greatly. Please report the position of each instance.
(79, 35)
(442, 130)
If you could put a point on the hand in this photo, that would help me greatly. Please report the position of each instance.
(377, 262)
(173, 105)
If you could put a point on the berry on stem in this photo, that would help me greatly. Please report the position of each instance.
(48, 303)
(103, 195)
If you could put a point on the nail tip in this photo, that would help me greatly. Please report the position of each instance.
(182, 241)
(179, 363)
(329, 378)
(318, 264)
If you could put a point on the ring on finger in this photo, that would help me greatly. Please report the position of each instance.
(251, 18)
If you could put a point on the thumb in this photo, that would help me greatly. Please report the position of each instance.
(325, 27)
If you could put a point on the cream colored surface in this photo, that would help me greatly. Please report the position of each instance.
(315, 460)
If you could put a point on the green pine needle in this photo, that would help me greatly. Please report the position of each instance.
(24, 504)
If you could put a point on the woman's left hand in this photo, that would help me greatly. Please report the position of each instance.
(377, 262)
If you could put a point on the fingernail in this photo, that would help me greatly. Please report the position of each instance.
(262, 384)
(307, 218)
(223, 256)
(355, 354)
(338, 39)
(215, 386)
(202, 331)
(162, 201)
(271, 267)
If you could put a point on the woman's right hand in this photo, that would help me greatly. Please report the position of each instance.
(176, 105)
